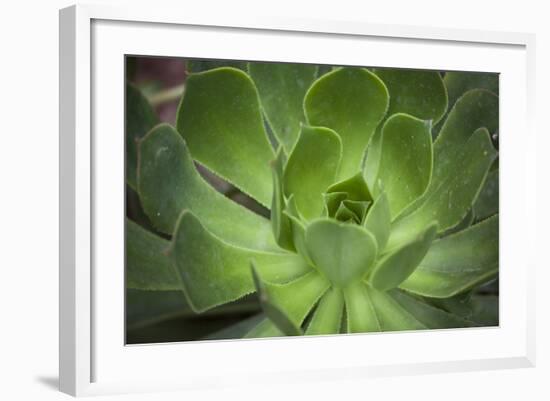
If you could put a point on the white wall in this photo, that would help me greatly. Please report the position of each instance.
(29, 200)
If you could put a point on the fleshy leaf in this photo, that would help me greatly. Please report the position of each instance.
(345, 214)
(147, 267)
(272, 310)
(487, 202)
(266, 328)
(406, 161)
(168, 182)
(378, 221)
(392, 269)
(457, 262)
(213, 272)
(237, 330)
(359, 208)
(430, 316)
(464, 224)
(140, 118)
(282, 87)
(475, 109)
(312, 167)
(332, 202)
(390, 314)
(220, 118)
(280, 223)
(361, 316)
(458, 83)
(327, 318)
(144, 308)
(352, 102)
(448, 200)
(485, 310)
(419, 93)
(298, 228)
(355, 187)
(342, 252)
(294, 299)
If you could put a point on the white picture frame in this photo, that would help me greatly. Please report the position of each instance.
(93, 357)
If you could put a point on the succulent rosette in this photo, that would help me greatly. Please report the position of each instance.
(381, 186)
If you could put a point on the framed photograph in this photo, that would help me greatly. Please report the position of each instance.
(268, 199)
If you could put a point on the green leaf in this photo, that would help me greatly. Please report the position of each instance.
(237, 330)
(361, 316)
(147, 266)
(419, 93)
(344, 214)
(140, 118)
(342, 252)
(460, 305)
(213, 272)
(282, 87)
(464, 224)
(298, 228)
(485, 310)
(220, 118)
(272, 310)
(197, 65)
(393, 268)
(475, 109)
(378, 221)
(359, 208)
(487, 201)
(390, 314)
(290, 301)
(428, 315)
(144, 308)
(332, 202)
(355, 187)
(448, 200)
(458, 262)
(352, 102)
(169, 182)
(280, 223)
(327, 318)
(458, 83)
(266, 328)
(312, 167)
(406, 161)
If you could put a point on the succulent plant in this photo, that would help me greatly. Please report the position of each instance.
(379, 187)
